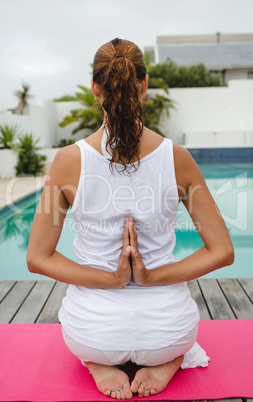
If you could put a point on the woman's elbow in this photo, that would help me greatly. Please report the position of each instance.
(32, 263)
(224, 255)
(229, 255)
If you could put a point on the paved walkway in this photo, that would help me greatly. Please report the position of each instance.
(16, 188)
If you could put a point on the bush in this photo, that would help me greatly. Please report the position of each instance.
(63, 143)
(29, 161)
(66, 98)
(92, 116)
(153, 107)
(7, 136)
(176, 76)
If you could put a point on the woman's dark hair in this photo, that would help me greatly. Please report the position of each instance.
(118, 69)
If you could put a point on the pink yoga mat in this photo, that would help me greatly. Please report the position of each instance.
(35, 365)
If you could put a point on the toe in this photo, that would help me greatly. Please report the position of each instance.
(113, 394)
(141, 390)
(127, 391)
(135, 385)
(153, 392)
(107, 392)
(146, 393)
(118, 395)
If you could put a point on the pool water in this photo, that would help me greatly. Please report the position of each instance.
(231, 186)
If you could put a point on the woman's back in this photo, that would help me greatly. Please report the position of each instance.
(102, 203)
(149, 142)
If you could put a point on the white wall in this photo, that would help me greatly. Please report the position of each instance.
(40, 120)
(215, 109)
(237, 74)
(43, 121)
(199, 112)
(235, 138)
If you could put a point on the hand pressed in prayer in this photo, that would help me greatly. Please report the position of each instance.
(123, 274)
(139, 271)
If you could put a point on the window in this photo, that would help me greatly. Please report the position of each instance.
(250, 75)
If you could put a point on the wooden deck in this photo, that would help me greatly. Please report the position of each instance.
(39, 301)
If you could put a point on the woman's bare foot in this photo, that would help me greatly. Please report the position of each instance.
(152, 380)
(110, 380)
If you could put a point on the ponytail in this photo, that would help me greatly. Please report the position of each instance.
(119, 69)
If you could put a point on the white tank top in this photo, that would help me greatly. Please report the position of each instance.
(134, 317)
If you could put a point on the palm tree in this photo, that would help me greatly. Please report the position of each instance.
(23, 96)
(153, 107)
(91, 116)
(9, 227)
(18, 226)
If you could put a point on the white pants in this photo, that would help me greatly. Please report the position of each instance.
(196, 356)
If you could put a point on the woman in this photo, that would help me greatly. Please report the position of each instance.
(128, 298)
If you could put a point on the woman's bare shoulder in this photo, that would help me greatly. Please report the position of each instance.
(66, 164)
(186, 169)
(182, 157)
(67, 156)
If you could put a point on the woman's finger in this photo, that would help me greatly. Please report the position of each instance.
(133, 235)
(135, 254)
(140, 272)
(126, 235)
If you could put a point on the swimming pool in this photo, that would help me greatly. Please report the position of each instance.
(230, 184)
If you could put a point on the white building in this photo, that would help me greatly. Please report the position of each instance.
(228, 54)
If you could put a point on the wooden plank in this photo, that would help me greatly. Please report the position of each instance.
(5, 287)
(238, 300)
(218, 400)
(49, 313)
(247, 284)
(32, 306)
(228, 400)
(217, 303)
(202, 400)
(14, 299)
(198, 298)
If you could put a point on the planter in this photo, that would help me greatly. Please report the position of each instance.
(8, 161)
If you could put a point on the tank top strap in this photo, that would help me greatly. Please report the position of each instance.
(171, 162)
(166, 157)
(81, 145)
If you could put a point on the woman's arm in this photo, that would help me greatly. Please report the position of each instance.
(217, 251)
(42, 257)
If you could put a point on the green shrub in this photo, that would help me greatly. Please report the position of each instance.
(29, 161)
(7, 136)
(63, 143)
(153, 107)
(176, 76)
(92, 116)
(66, 98)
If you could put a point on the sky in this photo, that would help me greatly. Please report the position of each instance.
(50, 44)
